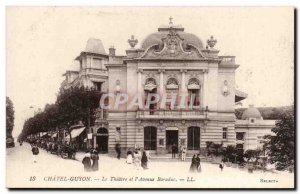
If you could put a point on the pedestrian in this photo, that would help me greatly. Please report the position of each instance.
(95, 159)
(87, 162)
(183, 155)
(198, 163)
(129, 157)
(221, 165)
(193, 167)
(148, 155)
(180, 152)
(35, 152)
(173, 151)
(118, 150)
(144, 160)
(136, 160)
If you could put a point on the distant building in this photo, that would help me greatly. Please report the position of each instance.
(168, 62)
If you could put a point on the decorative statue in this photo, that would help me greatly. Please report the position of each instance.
(211, 42)
(132, 42)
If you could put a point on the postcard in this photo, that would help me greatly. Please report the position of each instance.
(150, 97)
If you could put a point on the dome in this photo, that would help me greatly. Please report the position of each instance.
(251, 112)
(156, 38)
(95, 46)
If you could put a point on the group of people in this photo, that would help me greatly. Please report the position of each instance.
(138, 158)
(182, 152)
(195, 165)
(91, 160)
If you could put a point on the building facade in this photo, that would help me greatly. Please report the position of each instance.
(170, 63)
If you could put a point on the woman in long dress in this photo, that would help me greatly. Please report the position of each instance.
(193, 167)
(198, 163)
(129, 157)
(95, 158)
(87, 162)
(144, 161)
(136, 160)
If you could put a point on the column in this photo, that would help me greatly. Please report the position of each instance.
(183, 87)
(139, 80)
(140, 85)
(204, 89)
(161, 82)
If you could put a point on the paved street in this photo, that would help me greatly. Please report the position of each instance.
(53, 171)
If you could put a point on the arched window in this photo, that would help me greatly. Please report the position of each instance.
(150, 88)
(194, 92)
(193, 138)
(172, 92)
(150, 138)
(172, 83)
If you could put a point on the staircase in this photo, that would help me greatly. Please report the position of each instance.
(168, 158)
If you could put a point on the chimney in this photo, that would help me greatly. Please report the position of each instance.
(112, 51)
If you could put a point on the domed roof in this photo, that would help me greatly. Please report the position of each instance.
(95, 46)
(251, 112)
(163, 31)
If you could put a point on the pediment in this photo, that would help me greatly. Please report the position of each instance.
(172, 48)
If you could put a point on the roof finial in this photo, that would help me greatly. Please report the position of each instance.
(171, 22)
(132, 42)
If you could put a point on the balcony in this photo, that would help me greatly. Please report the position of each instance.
(227, 60)
(171, 114)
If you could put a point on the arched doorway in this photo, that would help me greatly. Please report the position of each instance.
(193, 138)
(102, 140)
(150, 138)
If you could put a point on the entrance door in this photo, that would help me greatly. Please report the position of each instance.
(171, 138)
(102, 140)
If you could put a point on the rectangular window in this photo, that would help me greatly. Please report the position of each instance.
(97, 63)
(224, 132)
(98, 85)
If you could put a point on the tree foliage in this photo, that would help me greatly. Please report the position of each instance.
(9, 117)
(72, 106)
(280, 147)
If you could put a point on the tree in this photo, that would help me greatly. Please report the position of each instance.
(9, 117)
(280, 147)
(77, 104)
(230, 153)
(208, 147)
(217, 149)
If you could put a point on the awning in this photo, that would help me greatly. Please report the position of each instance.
(46, 134)
(239, 95)
(76, 132)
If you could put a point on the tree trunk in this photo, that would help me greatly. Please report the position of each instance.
(70, 135)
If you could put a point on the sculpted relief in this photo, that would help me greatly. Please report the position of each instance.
(172, 48)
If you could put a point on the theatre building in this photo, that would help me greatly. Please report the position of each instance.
(168, 62)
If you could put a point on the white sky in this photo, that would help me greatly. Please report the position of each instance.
(42, 43)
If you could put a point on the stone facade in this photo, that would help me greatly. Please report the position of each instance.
(168, 62)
